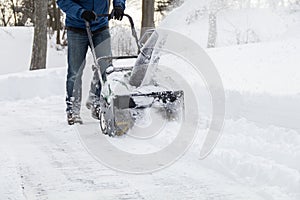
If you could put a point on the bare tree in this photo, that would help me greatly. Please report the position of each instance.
(163, 6)
(27, 12)
(57, 22)
(39, 47)
(14, 11)
(6, 13)
(147, 15)
(54, 19)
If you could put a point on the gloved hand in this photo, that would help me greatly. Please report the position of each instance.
(89, 15)
(118, 13)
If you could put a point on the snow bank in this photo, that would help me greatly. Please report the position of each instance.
(267, 158)
(234, 26)
(271, 68)
(262, 83)
(15, 51)
(279, 110)
(27, 85)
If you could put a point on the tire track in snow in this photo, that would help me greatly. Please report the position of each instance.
(54, 165)
(50, 157)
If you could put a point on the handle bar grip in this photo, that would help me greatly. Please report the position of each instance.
(126, 15)
(133, 31)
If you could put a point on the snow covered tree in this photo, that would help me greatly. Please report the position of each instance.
(212, 32)
(214, 7)
(39, 47)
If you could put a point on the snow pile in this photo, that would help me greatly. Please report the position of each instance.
(234, 26)
(28, 85)
(15, 54)
(15, 57)
(271, 68)
(262, 85)
(267, 158)
(16, 82)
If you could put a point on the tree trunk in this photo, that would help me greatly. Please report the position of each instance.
(109, 4)
(58, 27)
(14, 12)
(3, 17)
(57, 21)
(147, 15)
(39, 47)
(212, 33)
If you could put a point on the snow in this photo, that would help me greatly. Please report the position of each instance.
(16, 50)
(266, 67)
(251, 25)
(45, 83)
(257, 157)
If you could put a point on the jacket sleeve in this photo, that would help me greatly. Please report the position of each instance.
(71, 8)
(119, 3)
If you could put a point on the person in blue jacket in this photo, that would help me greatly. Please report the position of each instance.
(77, 12)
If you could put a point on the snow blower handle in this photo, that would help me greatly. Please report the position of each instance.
(132, 26)
(90, 36)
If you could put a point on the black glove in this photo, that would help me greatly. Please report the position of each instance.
(118, 13)
(89, 15)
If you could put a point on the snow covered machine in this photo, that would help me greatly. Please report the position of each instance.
(118, 111)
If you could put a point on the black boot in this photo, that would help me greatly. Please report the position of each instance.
(93, 104)
(73, 118)
(96, 112)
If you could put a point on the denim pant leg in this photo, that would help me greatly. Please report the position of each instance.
(77, 49)
(102, 43)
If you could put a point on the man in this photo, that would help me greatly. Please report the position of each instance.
(77, 12)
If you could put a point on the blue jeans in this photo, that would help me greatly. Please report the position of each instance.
(78, 44)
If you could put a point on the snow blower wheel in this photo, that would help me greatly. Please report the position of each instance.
(103, 124)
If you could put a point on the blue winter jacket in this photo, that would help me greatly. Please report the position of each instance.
(74, 9)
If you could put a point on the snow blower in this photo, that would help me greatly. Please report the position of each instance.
(118, 112)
